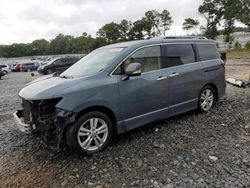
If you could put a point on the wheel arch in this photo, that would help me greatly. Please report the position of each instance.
(98, 108)
(215, 90)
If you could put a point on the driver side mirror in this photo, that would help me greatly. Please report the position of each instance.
(133, 69)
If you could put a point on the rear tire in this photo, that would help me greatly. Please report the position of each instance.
(5, 72)
(90, 134)
(206, 99)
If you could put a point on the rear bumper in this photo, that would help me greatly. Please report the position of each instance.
(23, 127)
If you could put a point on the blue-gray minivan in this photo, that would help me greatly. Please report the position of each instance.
(119, 87)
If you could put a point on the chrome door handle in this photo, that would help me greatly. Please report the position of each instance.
(161, 78)
(174, 74)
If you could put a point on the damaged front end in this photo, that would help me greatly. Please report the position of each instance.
(42, 117)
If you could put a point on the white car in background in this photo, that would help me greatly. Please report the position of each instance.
(5, 68)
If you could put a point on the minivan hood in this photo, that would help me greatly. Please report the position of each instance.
(46, 87)
(40, 79)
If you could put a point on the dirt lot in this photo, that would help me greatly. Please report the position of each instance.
(189, 150)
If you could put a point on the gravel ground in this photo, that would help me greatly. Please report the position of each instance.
(188, 150)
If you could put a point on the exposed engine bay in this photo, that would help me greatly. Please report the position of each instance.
(43, 118)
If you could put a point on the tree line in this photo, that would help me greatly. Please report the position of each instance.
(150, 25)
(217, 13)
(220, 14)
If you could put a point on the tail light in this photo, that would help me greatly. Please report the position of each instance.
(223, 57)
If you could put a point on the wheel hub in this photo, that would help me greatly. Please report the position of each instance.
(92, 134)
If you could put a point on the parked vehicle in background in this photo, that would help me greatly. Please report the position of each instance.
(5, 68)
(16, 67)
(28, 67)
(1, 73)
(12, 66)
(57, 65)
(120, 87)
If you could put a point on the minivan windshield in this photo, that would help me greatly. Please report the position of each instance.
(48, 62)
(92, 63)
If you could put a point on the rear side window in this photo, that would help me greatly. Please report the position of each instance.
(179, 54)
(64, 60)
(207, 51)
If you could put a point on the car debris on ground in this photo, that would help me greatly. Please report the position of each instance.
(238, 82)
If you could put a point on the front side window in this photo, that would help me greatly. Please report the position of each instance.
(179, 54)
(148, 57)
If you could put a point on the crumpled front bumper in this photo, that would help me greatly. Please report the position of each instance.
(23, 127)
(51, 133)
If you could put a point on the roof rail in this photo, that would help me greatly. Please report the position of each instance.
(181, 37)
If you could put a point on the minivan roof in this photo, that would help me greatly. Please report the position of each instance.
(156, 40)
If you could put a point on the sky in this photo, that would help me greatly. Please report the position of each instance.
(22, 21)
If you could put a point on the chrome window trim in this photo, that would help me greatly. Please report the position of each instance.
(160, 44)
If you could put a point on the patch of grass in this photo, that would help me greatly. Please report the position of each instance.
(238, 53)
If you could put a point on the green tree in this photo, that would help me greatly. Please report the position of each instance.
(230, 9)
(83, 44)
(247, 45)
(165, 21)
(110, 32)
(212, 11)
(243, 14)
(40, 47)
(98, 42)
(190, 24)
(237, 45)
(151, 23)
(125, 26)
(62, 44)
(137, 30)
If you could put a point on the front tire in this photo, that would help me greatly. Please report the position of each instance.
(206, 99)
(90, 134)
(5, 72)
(49, 71)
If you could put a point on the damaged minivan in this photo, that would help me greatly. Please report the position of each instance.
(119, 87)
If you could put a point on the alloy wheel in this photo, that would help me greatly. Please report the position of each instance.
(92, 134)
(207, 99)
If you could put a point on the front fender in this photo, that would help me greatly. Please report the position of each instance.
(105, 95)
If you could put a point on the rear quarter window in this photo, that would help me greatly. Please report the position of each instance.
(207, 51)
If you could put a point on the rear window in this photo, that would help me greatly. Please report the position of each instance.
(3, 66)
(207, 51)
